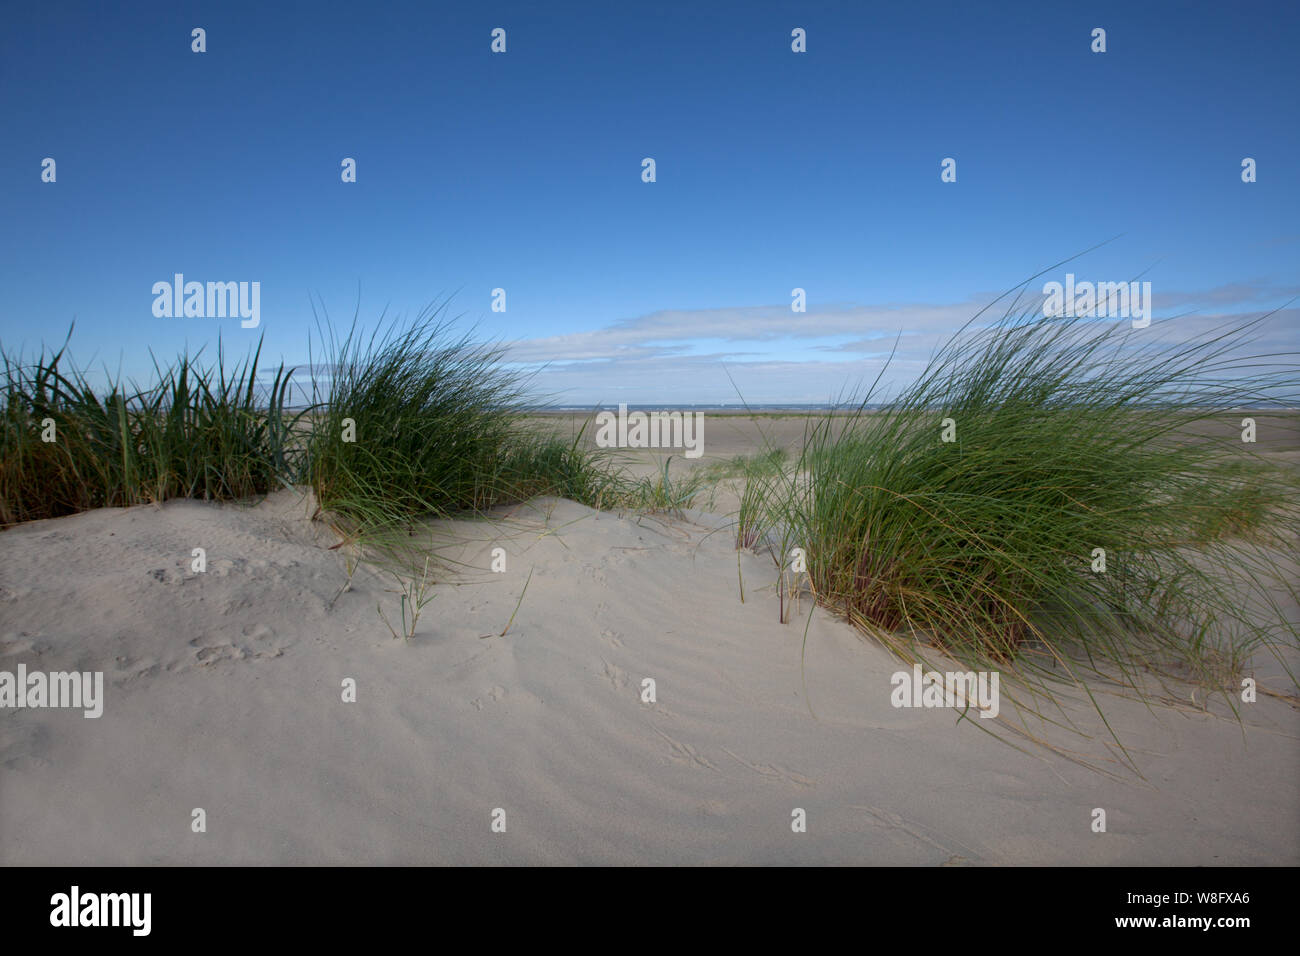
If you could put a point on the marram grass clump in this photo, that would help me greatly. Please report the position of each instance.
(1048, 498)
(200, 431)
(417, 421)
(411, 421)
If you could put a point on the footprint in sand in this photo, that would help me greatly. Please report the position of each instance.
(491, 697)
(685, 753)
(616, 675)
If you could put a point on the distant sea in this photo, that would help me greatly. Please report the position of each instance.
(788, 407)
(794, 407)
(671, 407)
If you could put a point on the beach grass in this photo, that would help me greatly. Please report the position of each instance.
(412, 420)
(1044, 498)
(200, 430)
(417, 420)
(665, 494)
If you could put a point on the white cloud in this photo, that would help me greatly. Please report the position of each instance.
(673, 356)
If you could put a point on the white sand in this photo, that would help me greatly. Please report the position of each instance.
(223, 691)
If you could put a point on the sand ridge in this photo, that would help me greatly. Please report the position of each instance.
(223, 692)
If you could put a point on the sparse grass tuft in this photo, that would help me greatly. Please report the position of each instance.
(665, 494)
(413, 597)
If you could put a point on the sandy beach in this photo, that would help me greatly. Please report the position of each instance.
(527, 438)
(226, 691)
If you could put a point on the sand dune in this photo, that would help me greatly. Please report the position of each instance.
(223, 691)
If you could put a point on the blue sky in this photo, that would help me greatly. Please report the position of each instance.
(522, 170)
